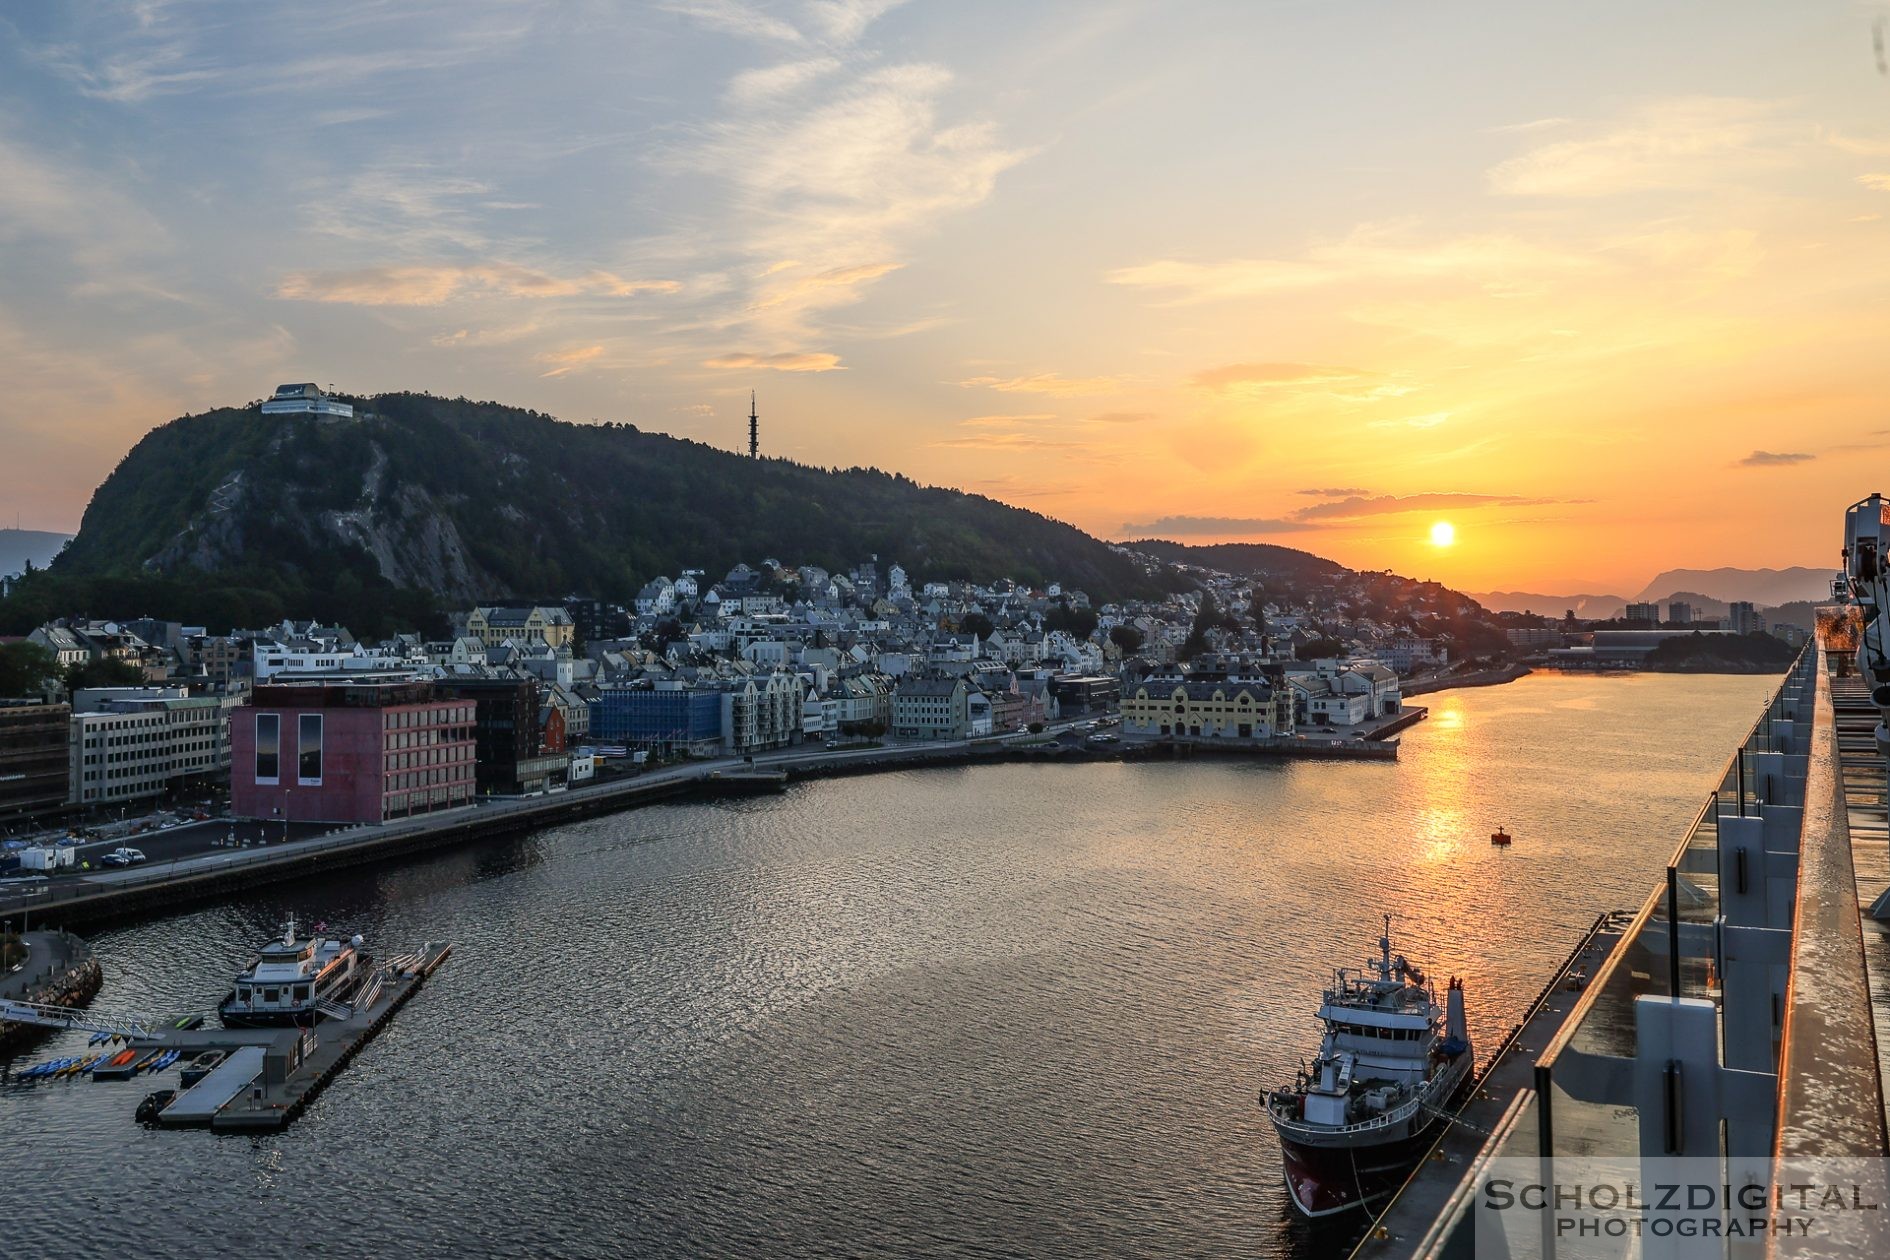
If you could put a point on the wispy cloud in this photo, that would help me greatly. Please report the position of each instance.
(1337, 492)
(1374, 252)
(786, 361)
(432, 285)
(1007, 442)
(1213, 526)
(1052, 384)
(1255, 376)
(1774, 459)
(1664, 144)
(566, 361)
(1878, 180)
(1031, 418)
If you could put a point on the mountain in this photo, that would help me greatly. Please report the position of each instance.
(1759, 586)
(1598, 607)
(1253, 559)
(20, 547)
(422, 502)
(1336, 594)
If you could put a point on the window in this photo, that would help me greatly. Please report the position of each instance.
(268, 747)
(308, 748)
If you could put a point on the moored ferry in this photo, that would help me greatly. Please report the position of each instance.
(1389, 1068)
(290, 980)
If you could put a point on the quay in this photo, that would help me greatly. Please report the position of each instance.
(58, 970)
(1503, 1085)
(1739, 1017)
(105, 895)
(272, 1074)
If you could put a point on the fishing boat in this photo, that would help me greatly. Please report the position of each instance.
(1500, 837)
(1392, 1063)
(291, 979)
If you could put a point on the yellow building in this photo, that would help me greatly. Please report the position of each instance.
(494, 627)
(1207, 710)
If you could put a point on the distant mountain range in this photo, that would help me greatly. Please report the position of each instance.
(1767, 587)
(18, 546)
(1708, 590)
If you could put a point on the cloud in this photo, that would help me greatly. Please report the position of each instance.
(431, 285)
(844, 21)
(1356, 506)
(1665, 144)
(832, 278)
(564, 361)
(1875, 179)
(1337, 492)
(735, 18)
(818, 361)
(1255, 376)
(1032, 418)
(1052, 384)
(1007, 442)
(1774, 459)
(1213, 525)
(1429, 420)
(1539, 124)
(855, 171)
(1371, 253)
(756, 87)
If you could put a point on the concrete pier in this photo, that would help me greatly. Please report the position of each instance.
(1506, 1081)
(293, 1064)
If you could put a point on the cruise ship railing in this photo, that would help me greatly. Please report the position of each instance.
(1715, 934)
(1708, 915)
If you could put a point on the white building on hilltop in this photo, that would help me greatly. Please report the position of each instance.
(305, 400)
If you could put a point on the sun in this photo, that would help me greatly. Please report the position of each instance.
(1443, 534)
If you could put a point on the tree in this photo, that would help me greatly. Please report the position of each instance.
(977, 623)
(105, 671)
(24, 667)
(1313, 649)
(1078, 622)
(1207, 617)
(1126, 637)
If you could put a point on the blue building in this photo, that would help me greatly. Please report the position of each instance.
(664, 720)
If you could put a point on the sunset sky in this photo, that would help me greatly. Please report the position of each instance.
(1604, 285)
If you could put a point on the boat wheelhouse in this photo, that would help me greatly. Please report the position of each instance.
(292, 980)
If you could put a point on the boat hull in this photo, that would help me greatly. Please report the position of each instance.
(1329, 1180)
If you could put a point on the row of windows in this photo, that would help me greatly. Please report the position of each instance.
(425, 778)
(430, 757)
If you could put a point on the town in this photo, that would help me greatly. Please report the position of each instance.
(302, 722)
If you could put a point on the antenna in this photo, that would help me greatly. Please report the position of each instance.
(754, 428)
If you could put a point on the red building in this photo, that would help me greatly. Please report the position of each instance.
(348, 752)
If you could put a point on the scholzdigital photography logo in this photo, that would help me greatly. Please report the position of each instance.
(1681, 1207)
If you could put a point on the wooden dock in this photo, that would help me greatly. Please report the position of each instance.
(297, 1064)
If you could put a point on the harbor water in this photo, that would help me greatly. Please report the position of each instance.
(1016, 1010)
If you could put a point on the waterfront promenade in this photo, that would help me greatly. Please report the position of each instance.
(196, 862)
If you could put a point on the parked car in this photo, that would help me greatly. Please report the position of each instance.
(123, 857)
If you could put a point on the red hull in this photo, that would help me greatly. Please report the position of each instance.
(1326, 1180)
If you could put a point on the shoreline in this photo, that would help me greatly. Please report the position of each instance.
(132, 893)
(1480, 678)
